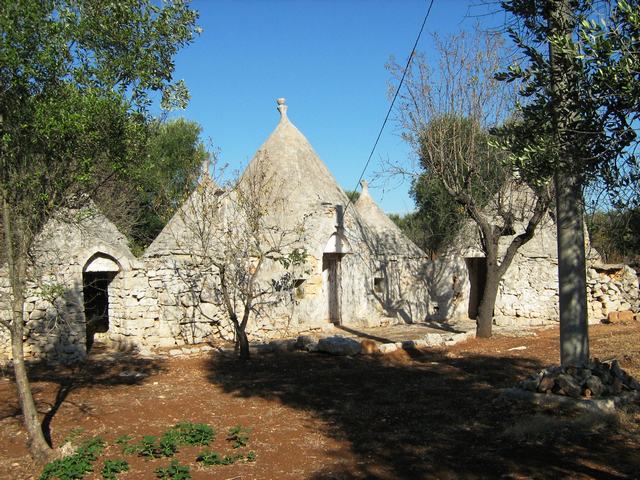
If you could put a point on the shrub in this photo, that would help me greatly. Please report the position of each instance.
(174, 471)
(214, 458)
(186, 433)
(239, 436)
(111, 467)
(77, 465)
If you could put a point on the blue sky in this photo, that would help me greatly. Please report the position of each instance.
(327, 58)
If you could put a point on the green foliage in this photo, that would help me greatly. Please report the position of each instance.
(153, 447)
(461, 169)
(295, 257)
(73, 434)
(352, 195)
(123, 439)
(113, 467)
(214, 458)
(239, 436)
(615, 234)
(77, 465)
(597, 65)
(168, 173)
(174, 471)
(51, 292)
(186, 433)
(75, 89)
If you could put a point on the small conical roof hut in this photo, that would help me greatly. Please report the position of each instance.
(387, 238)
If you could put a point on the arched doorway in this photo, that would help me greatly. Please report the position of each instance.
(97, 274)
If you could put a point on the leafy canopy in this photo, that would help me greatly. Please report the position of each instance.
(601, 98)
(76, 78)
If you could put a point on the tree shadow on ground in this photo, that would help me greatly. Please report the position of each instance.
(424, 415)
(101, 369)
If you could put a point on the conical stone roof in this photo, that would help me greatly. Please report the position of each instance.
(297, 172)
(388, 237)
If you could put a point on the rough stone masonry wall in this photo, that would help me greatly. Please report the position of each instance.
(54, 327)
(612, 288)
(528, 293)
(54, 301)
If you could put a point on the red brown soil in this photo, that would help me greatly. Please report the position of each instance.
(413, 415)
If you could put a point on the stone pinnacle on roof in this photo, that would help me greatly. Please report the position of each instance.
(365, 187)
(282, 108)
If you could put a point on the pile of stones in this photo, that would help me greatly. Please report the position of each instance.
(597, 380)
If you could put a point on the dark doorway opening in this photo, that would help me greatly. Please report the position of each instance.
(477, 268)
(95, 287)
(331, 264)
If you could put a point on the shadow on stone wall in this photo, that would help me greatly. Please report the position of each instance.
(412, 287)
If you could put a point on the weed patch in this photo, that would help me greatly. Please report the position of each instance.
(214, 458)
(113, 467)
(186, 433)
(174, 471)
(239, 436)
(75, 466)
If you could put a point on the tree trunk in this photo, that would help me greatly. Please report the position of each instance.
(488, 301)
(39, 448)
(574, 336)
(572, 283)
(243, 342)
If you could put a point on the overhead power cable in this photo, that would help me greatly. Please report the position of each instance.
(393, 101)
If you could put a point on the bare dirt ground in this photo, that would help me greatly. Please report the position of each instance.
(408, 415)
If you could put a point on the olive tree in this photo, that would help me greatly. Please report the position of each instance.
(446, 110)
(243, 245)
(75, 77)
(579, 107)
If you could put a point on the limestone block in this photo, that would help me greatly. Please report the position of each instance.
(165, 330)
(148, 302)
(37, 315)
(165, 298)
(387, 348)
(164, 342)
(146, 322)
(186, 300)
(209, 311)
(625, 316)
(130, 302)
(338, 345)
(433, 339)
(369, 347)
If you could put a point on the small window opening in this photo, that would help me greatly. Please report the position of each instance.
(378, 284)
(298, 287)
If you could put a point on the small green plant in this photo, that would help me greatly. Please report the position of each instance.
(123, 439)
(251, 456)
(75, 466)
(127, 448)
(214, 458)
(112, 467)
(174, 471)
(92, 448)
(167, 446)
(239, 435)
(147, 446)
(153, 447)
(186, 433)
